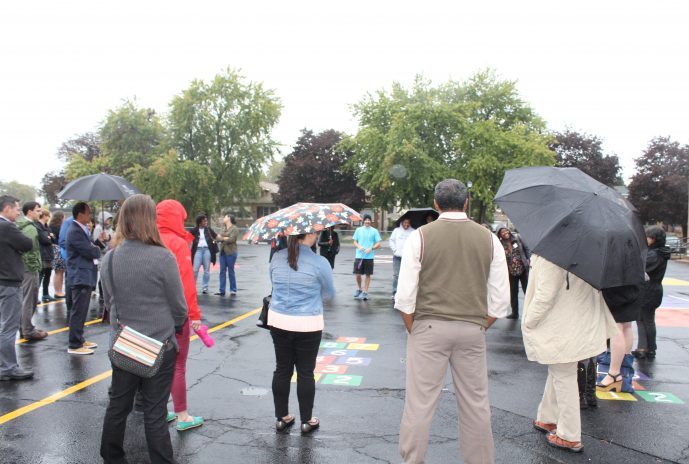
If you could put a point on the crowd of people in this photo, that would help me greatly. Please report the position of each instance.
(147, 259)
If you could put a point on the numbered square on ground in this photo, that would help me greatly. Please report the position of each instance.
(352, 361)
(363, 346)
(351, 340)
(316, 377)
(349, 380)
(334, 345)
(330, 369)
(659, 397)
(615, 396)
(340, 352)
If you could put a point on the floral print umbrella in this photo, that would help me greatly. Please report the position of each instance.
(301, 218)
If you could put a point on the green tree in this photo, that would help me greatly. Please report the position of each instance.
(408, 140)
(129, 138)
(274, 170)
(22, 191)
(186, 181)
(225, 124)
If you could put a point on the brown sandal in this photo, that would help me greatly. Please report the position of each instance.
(557, 442)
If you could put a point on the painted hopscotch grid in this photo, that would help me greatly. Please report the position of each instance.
(639, 390)
(336, 358)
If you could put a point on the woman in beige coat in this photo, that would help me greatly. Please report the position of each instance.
(565, 320)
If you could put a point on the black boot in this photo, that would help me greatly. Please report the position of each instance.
(581, 380)
(590, 389)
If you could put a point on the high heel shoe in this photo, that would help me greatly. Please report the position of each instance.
(615, 385)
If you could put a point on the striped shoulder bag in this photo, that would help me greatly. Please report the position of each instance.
(131, 350)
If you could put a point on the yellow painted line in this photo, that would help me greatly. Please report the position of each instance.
(80, 386)
(64, 329)
(675, 282)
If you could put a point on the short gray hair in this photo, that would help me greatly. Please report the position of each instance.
(450, 194)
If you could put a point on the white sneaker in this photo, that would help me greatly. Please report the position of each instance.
(81, 350)
(357, 293)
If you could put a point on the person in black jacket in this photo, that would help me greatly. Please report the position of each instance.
(12, 244)
(656, 264)
(203, 249)
(45, 239)
(330, 245)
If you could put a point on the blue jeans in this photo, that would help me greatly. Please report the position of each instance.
(202, 256)
(227, 264)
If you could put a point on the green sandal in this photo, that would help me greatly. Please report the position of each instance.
(171, 416)
(197, 421)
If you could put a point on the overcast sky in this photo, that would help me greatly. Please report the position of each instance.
(618, 70)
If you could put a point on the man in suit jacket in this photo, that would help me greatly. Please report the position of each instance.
(82, 272)
(13, 243)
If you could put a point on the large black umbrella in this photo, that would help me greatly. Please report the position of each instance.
(417, 216)
(577, 223)
(98, 187)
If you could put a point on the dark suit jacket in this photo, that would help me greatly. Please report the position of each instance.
(80, 255)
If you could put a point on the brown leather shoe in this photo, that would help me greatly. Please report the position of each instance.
(37, 335)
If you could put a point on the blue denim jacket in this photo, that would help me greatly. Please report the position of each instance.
(302, 292)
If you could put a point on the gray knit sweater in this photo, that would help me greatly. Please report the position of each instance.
(147, 289)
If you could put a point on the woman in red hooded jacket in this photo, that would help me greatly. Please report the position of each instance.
(171, 217)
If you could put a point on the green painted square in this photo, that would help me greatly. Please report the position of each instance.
(333, 345)
(659, 397)
(342, 379)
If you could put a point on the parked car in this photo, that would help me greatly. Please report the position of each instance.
(676, 244)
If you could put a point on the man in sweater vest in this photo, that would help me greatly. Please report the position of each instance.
(453, 285)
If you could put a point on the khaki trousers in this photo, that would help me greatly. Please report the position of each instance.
(560, 403)
(431, 347)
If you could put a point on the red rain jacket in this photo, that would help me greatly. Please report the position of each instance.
(171, 217)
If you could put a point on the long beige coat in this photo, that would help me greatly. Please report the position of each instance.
(562, 325)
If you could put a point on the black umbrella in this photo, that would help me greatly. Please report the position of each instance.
(576, 222)
(98, 187)
(417, 216)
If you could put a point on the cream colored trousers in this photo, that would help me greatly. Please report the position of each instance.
(560, 403)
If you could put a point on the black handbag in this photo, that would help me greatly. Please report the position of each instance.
(131, 350)
(263, 317)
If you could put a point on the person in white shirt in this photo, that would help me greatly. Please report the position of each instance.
(453, 285)
(397, 239)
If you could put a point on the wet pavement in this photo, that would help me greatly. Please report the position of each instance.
(57, 416)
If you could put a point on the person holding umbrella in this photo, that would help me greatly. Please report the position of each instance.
(517, 256)
(301, 282)
(329, 241)
(397, 240)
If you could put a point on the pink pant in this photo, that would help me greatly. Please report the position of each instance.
(179, 381)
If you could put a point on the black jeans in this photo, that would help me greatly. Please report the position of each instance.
(646, 327)
(44, 278)
(514, 289)
(155, 393)
(81, 300)
(295, 349)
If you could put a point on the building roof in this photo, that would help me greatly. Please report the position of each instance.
(269, 186)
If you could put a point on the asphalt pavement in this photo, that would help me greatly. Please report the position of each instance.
(57, 417)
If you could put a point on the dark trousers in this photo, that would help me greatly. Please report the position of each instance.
(646, 327)
(331, 259)
(514, 289)
(295, 349)
(81, 300)
(68, 295)
(155, 393)
(44, 277)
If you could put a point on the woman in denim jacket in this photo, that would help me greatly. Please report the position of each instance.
(301, 280)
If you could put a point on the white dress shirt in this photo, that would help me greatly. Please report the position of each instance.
(408, 284)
